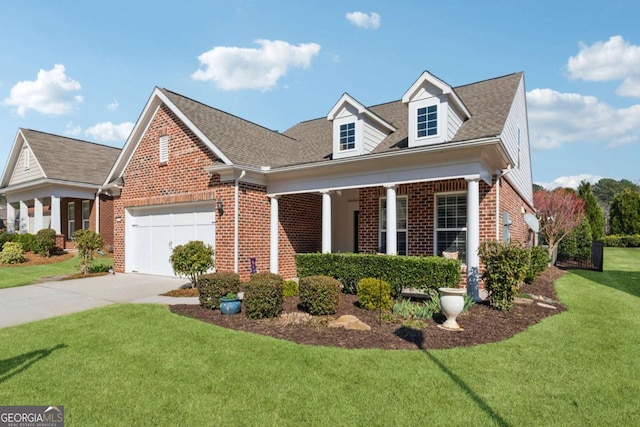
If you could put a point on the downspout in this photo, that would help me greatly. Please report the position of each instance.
(236, 222)
(98, 210)
(499, 175)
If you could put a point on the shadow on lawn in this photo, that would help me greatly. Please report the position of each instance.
(625, 281)
(18, 364)
(415, 336)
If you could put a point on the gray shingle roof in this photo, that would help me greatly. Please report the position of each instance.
(246, 143)
(71, 159)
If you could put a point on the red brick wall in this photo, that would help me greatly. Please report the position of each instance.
(300, 229)
(510, 201)
(106, 220)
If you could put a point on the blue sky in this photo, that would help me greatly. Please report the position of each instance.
(86, 69)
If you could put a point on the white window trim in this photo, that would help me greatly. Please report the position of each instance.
(435, 218)
(163, 148)
(25, 154)
(71, 207)
(355, 138)
(383, 223)
(86, 220)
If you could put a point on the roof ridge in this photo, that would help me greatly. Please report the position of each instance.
(228, 114)
(489, 79)
(72, 139)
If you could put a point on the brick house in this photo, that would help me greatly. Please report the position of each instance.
(441, 168)
(51, 181)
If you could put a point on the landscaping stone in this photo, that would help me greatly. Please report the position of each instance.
(524, 301)
(541, 304)
(349, 322)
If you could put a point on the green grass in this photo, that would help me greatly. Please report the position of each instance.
(142, 365)
(20, 276)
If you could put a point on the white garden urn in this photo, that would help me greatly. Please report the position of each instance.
(452, 304)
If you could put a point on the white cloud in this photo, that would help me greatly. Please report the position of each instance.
(113, 106)
(233, 68)
(109, 132)
(557, 118)
(364, 20)
(51, 93)
(571, 181)
(615, 59)
(71, 130)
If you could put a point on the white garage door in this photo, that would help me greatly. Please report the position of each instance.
(152, 233)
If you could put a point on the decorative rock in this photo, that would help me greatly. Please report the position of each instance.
(523, 301)
(349, 322)
(541, 304)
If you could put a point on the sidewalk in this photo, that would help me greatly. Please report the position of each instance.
(26, 304)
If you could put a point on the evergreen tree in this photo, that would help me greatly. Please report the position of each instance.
(593, 211)
(625, 213)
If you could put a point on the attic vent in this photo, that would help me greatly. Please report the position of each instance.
(25, 156)
(164, 148)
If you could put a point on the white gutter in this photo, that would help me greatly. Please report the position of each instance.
(499, 176)
(236, 222)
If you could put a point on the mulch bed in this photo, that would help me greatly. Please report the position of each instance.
(35, 259)
(481, 324)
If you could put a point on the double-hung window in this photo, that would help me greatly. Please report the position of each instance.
(86, 213)
(347, 136)
(401, 225)
(71, 219)
(427, 121)
(451, 224)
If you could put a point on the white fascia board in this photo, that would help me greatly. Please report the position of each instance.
(47, 187)
(13, 158)
(440, 84)
(232, 172)
(348, 99)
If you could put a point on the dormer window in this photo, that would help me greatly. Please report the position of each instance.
(427, 121)
(348, 136)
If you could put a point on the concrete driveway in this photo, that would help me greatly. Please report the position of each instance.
(25, 304)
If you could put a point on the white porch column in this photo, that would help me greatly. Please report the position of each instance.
(38, 219)
(55, 214)
(392, 234)
(473, 238)
(273, 246)
(11, 218)
(326, 222)
(24, 217)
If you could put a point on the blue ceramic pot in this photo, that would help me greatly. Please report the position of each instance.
(230, 306)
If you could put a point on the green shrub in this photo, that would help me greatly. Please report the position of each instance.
(45, 242)
(12, 253)
(27, 240)
(374, 294)
(290, 289)
(213, 286)
(263, 296)
(86, 242)
(506, 267)
(6, 237)
(577, 244)
(538, 262)
(192, 259)
(410, 310)
(100, 268)
(319, 295)
(622, 241)
(423, 273)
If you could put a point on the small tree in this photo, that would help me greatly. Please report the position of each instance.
(625, 213)
(192, 260)
(87, 241)
(593, 211)
(559, 212)
(45, 242)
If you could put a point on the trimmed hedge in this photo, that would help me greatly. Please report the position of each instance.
(213, 286)
(622, 241)
(374, 294)
(27, 240)
(263, 296)
(319, 295)
(423, 273)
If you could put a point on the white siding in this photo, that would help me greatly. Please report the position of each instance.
(521, 172)
(20, 174)
(371, 137)
(454, 121)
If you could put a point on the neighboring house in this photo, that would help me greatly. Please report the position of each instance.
(51, 181)
(439, 169)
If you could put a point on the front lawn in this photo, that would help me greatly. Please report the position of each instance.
(142, 365)
(11, 276)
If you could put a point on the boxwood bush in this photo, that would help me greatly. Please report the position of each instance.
(213, 286)
(319, 295)
(423, 273)
(12, 253)
(374, 294)
(45, 242)
(263, 296)
(505, 270)
(290, 289)
(27, 240)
